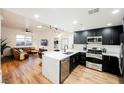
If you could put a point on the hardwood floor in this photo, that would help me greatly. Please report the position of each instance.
(29, 72)
(23, 72)
(83, 75)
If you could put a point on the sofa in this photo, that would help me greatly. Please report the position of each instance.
(19, 55)
(27, 49)
(22, 53)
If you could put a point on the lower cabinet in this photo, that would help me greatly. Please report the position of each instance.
(74, 61)
(111, 65)
(82, 58)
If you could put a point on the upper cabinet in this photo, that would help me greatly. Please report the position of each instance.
(111, 35)
(84, 37)
(80, 37)
(95, 32)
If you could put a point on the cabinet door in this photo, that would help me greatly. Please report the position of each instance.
(115, 37)
(114, 66)
(95, 32)
(82, 58)
(84, 37)
(107, 36)
(111, 65)
(117, 31)
(90, 33)
(105, 65)
(74, 61)
(98, 32)
(78, 38)
(111, 35)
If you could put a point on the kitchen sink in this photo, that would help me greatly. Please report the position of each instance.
(68, 53)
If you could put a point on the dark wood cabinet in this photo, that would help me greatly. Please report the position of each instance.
(84, 37)
(106, 36)
(79, 58)
(110, 35)
(82, 58)
(77, 37)
(98, 32)
(111, 65)
(80, 37)
(95, 32)
(74, 61)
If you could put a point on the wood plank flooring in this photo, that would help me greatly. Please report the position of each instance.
(83, 75)
(23, 72)
(29, 72)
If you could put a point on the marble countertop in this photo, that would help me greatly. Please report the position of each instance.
(60, 54)
(111, 54)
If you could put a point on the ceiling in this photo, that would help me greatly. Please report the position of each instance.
(63, 17)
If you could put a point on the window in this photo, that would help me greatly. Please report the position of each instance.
(22, 40)
(28, 40)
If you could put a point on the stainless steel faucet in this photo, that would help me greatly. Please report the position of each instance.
(65, 46)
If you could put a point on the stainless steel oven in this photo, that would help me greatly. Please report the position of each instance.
(94, 59)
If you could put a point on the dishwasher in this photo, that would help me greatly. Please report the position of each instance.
(65, 64)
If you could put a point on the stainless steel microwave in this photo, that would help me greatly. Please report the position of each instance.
(94, 39)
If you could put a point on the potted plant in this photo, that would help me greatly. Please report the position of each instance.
(4, 45)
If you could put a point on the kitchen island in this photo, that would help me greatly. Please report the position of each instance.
(55, 65)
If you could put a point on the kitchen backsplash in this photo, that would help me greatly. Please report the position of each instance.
(79, 46)
(109, 48)
(112, 48)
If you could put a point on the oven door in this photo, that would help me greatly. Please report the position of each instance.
(94, 66)
(94, 60)
(91, 56)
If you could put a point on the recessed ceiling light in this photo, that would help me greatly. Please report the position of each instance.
(115, 11)
(55, 25)
(109, 24)
(39, 26)
(75, 22)
(36, 16)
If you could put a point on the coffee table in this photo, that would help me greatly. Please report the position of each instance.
(34, 51)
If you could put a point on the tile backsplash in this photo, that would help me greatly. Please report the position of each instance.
(109, 48)
(79, 46)
(112, 48)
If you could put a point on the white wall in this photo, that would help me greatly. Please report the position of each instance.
(10, 34)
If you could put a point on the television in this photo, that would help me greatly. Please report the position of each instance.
(44, 42)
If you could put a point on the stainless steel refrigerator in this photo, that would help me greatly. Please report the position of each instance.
(122, 56)
(122, 53)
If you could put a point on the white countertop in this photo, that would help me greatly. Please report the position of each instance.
(111, 54)
(59, 55)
